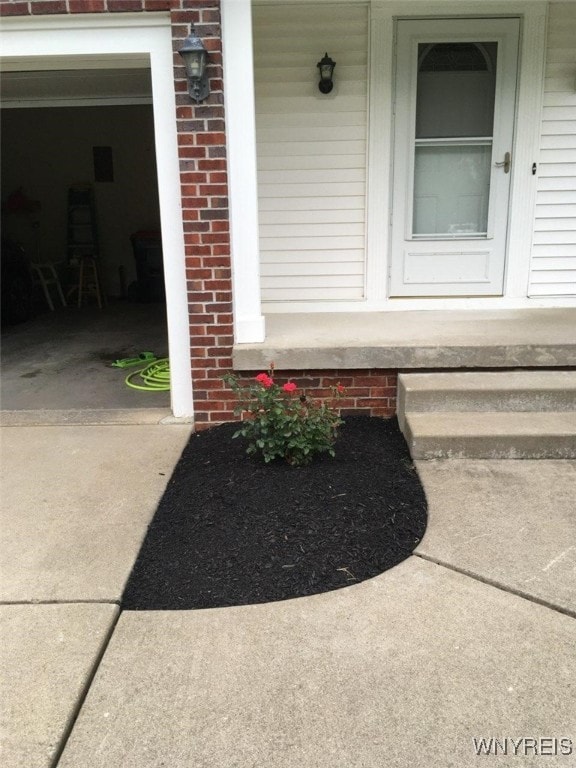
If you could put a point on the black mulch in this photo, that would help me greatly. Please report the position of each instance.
(231, 530)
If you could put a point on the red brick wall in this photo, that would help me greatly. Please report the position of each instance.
(204, 188)
(204, 181)
(44, 7)
(367, 391)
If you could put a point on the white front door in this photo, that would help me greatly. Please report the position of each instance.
(453, 155)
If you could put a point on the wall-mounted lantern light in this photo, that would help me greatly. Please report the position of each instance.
(326, 67)
(195, 59)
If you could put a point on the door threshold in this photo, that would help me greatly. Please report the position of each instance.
(89, 417)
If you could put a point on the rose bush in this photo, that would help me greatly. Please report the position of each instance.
(280, 423)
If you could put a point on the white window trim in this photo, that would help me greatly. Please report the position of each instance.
(110, 35)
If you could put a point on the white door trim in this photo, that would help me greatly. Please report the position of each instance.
(109, 35)
(523, 184)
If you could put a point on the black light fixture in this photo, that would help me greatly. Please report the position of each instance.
(195, 59)
(326, 67)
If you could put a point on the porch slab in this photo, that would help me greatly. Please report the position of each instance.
(48, 656)
(402, 670)
(509, 523)
(409, 340)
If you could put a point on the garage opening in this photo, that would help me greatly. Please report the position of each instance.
(82, 265)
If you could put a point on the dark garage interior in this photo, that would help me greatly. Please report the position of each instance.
(82, 278)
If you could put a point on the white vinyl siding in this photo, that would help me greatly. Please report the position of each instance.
(311, 151)
(553, 268)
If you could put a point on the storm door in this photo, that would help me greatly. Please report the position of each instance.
(453, 155)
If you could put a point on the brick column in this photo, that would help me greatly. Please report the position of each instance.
(204, 184)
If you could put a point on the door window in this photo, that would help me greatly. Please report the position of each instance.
(455, 96)
(456, 86)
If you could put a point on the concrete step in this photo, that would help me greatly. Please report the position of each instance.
(491, 435)
(487, 391)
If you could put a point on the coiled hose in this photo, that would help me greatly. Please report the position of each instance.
(155, 377)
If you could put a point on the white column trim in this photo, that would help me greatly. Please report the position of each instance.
(379, 154)
(174, 257)
(249, 325)
(107, 36)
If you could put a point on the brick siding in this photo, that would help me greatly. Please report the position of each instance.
(45, 7)
(367, 391)
(204, 190)
(204, 184)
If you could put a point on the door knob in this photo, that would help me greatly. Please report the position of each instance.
(505, 163)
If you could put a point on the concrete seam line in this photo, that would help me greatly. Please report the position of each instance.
(497, 585)
(102, 601)
(84, 693)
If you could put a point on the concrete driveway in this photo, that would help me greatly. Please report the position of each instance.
(473, 638)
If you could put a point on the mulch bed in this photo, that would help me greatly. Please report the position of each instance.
(231, 530)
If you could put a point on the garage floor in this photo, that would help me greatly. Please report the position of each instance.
(61, 360)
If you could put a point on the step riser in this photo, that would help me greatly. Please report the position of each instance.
(484, 415)
(527, 447)
(496, 435)
(495, 400)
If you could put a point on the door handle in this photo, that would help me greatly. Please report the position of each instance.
(505, 163)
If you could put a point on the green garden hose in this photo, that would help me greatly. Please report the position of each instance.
(155, 377)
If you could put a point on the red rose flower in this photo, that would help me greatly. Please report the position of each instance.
(340, 388)
(290, 387)
(265, 380)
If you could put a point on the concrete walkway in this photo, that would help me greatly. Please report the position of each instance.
(473, 637)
